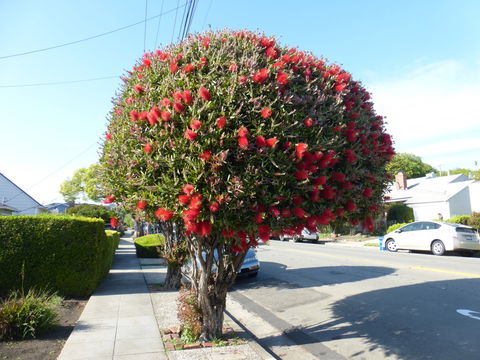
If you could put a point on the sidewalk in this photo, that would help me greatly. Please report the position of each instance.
(122, 319)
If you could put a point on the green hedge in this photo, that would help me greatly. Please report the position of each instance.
(67, 254)
(460, 219)
(115, 237)
(395, 227)
(146, 246)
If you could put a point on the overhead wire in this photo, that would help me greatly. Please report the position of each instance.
(58, 82)
(175, 21)
(158, 26)
(145, 27)
(94, 36)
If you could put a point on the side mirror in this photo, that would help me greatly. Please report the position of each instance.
(398, 230)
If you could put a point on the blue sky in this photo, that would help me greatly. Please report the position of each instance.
(420, 60)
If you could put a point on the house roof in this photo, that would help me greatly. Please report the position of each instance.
(20, 191)
(430, 189)
(6, 207)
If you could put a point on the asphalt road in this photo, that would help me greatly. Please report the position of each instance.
(313, 301)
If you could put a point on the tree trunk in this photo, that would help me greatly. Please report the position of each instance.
(173, 278)
(211, 277)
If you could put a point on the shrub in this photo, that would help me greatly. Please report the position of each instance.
(114, 236)
(460, 219)
(399, 212)
(395, 227)
(189, 315)
(26, 316)
(93, 211)
(147, 245)
(69, 255)
(474, 220)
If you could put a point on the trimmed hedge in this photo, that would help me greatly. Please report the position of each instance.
(67, 254)
(459, 219)
(395, 227)
(146, 246)
(115, 237)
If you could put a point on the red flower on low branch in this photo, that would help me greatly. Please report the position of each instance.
(178, 107)
(308, 122)
(195, 124)
(221, 122)
(204, 93)
(187, 97)
(190, 135)
(260, 76)
(147, 148)
(266, 113)
(141, 204)
(114, 222)
(109, 199)
(260, 141)
(163, 214)
(243, 142)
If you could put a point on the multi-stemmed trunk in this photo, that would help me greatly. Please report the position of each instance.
(211, 277)
(175, 253)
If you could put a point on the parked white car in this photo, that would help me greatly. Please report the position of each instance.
(306, 235)
(434, 236)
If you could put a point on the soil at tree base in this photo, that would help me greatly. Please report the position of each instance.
(49, 345)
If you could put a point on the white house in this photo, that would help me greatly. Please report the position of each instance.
(433, 197)
(15, 201)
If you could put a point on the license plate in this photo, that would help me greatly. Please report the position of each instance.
(468, 237)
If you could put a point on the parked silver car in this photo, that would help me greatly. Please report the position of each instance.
(305, 235)
(435, 236)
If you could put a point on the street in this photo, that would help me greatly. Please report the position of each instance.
(313, 301)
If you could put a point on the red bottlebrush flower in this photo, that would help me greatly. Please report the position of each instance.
(339, 87)
(260, 141)
(266, 42)
(152, 117)
(242, 132)
(202, 63)
(134, 115)
(368, 224)
(130, 100)
(195, 202)
(300, 150)
(347, 185)
(204, 93)
(163, 214)
(118, 111)
(243, 142)
(147, 62)
(156, 111)
(183, 199)
(188, 68)
(141, 204)
(260, 76)
(315, 195)
(338, 177)
(233, 67)
(328, 192)
(187, 97)
(297, 200)
(286, 213)
(109, 199)
(301, 174)
(162, 55)
(138, 89)
(367, 193)
(266, 113)
(354, 115)
(227, 233)
(178, 107)
(187, 189)
(271, 52)
(214, 206)
(339, 212)
(287, 145)
(274, 212)
(264, 232)
(147, 148)
(195, 124)
(308, 122)
(351, 134)
(271, 142)
(259, 217)
(320, 180)
(299, 212)
(178, 95)
(350, 206)
(350, 155)
(173, 67)
(206, 42)
(221, 122)
(113, 222)
(282, 78)
(190, 135)
(108, 136)
(242, 79)
(166, 115)
(206, 155)
(143, 115)
(166, 102)
(204, 228)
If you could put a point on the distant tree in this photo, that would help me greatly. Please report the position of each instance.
(411, 165)
(474, 174)
(84, 185)
(91, 210)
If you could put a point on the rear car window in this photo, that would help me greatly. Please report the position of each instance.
(465, 230)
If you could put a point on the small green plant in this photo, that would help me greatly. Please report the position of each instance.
(189, 314)
(395, 227)
(460, 219)
(26, 316)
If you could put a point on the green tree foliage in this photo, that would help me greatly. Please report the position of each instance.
(399, 212)
(474, 174)
(230, 136)
(411, 165)
(92, 211)
(84, 184)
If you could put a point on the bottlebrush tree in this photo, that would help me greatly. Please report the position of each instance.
(237, 138)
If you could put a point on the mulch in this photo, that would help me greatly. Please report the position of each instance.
(49, 345)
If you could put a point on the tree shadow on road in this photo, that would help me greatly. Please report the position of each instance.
(413, 322)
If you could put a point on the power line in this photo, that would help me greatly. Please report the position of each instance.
(58, 82)
(207, 13)
(175, 22)
(158, 26)
(53, 173)
(94, 36)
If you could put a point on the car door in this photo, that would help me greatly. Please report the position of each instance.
(405, 239)
(426, 232)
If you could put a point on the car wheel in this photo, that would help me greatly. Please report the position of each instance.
(438, 248)
(391, 245)
(296, 238)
